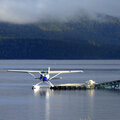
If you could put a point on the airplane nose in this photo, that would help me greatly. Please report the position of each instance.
(45, 78)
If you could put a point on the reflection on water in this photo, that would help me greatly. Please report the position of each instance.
(79, 104)
(43, 92)
(87, 118)
(91, 92)
(67, 97)
(47, 92)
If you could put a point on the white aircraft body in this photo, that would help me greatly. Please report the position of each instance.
(44, 75)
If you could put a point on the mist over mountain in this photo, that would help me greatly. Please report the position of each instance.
(32, 11)
(78, 38)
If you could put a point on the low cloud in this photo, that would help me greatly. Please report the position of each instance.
(31, 11)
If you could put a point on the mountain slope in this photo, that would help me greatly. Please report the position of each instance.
(76, 39)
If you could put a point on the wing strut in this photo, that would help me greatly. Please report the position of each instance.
(32, 75)
(55, 76)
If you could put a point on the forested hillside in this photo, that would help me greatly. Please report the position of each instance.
(76, 39)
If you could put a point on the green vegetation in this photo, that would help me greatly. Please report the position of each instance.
(76, 39)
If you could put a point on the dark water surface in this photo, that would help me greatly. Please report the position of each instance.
(19, 102)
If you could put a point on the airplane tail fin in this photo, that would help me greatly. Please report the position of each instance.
(48, 69)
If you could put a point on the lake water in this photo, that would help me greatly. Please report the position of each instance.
(19, 102)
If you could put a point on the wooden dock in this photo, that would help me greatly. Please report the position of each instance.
(73, 86)
(85, 86)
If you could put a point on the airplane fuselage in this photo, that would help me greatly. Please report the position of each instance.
(45, 77)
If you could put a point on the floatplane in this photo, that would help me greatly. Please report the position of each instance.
(44, 75)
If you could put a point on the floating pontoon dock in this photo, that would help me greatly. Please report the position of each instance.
(112, 84)
(90, 85)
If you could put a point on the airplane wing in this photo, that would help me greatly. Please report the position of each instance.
(55, 72)
(25, 71)
(50, 72)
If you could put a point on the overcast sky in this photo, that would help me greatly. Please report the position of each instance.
(30, 11)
